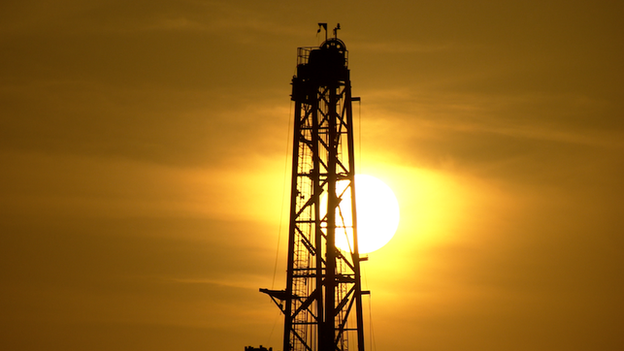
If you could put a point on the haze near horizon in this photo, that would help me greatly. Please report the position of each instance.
(145, 152)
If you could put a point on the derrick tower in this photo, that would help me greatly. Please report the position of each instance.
(322, 302)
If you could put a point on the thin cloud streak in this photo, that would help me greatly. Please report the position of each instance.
(145, 159)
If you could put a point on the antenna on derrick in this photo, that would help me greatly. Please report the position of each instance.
(336, 31)
(324, 26)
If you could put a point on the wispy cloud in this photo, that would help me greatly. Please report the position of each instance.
(401, 47)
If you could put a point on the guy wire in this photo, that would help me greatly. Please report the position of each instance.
(279, 230)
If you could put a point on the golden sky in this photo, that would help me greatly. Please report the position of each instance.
(144, 152)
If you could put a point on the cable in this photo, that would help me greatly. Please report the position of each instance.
(279, 230)
(273, 328)
(372, 330)
(360, 134)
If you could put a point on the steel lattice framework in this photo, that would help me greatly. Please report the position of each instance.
(322, 302)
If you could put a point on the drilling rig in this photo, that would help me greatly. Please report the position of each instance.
(322, 302)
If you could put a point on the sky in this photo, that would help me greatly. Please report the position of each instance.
(145, 161)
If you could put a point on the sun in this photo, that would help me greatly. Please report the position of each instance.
(377, 214)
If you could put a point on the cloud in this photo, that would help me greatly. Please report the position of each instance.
(144, 146)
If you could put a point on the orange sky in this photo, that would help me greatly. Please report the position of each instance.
(144, 150)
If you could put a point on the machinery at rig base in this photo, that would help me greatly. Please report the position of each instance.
(322, 301)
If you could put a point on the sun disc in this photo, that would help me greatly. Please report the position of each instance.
(377, 215)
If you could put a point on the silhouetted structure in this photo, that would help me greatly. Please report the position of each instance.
(261, 348)
(322, 302)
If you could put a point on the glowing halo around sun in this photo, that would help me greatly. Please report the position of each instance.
(377, 214)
